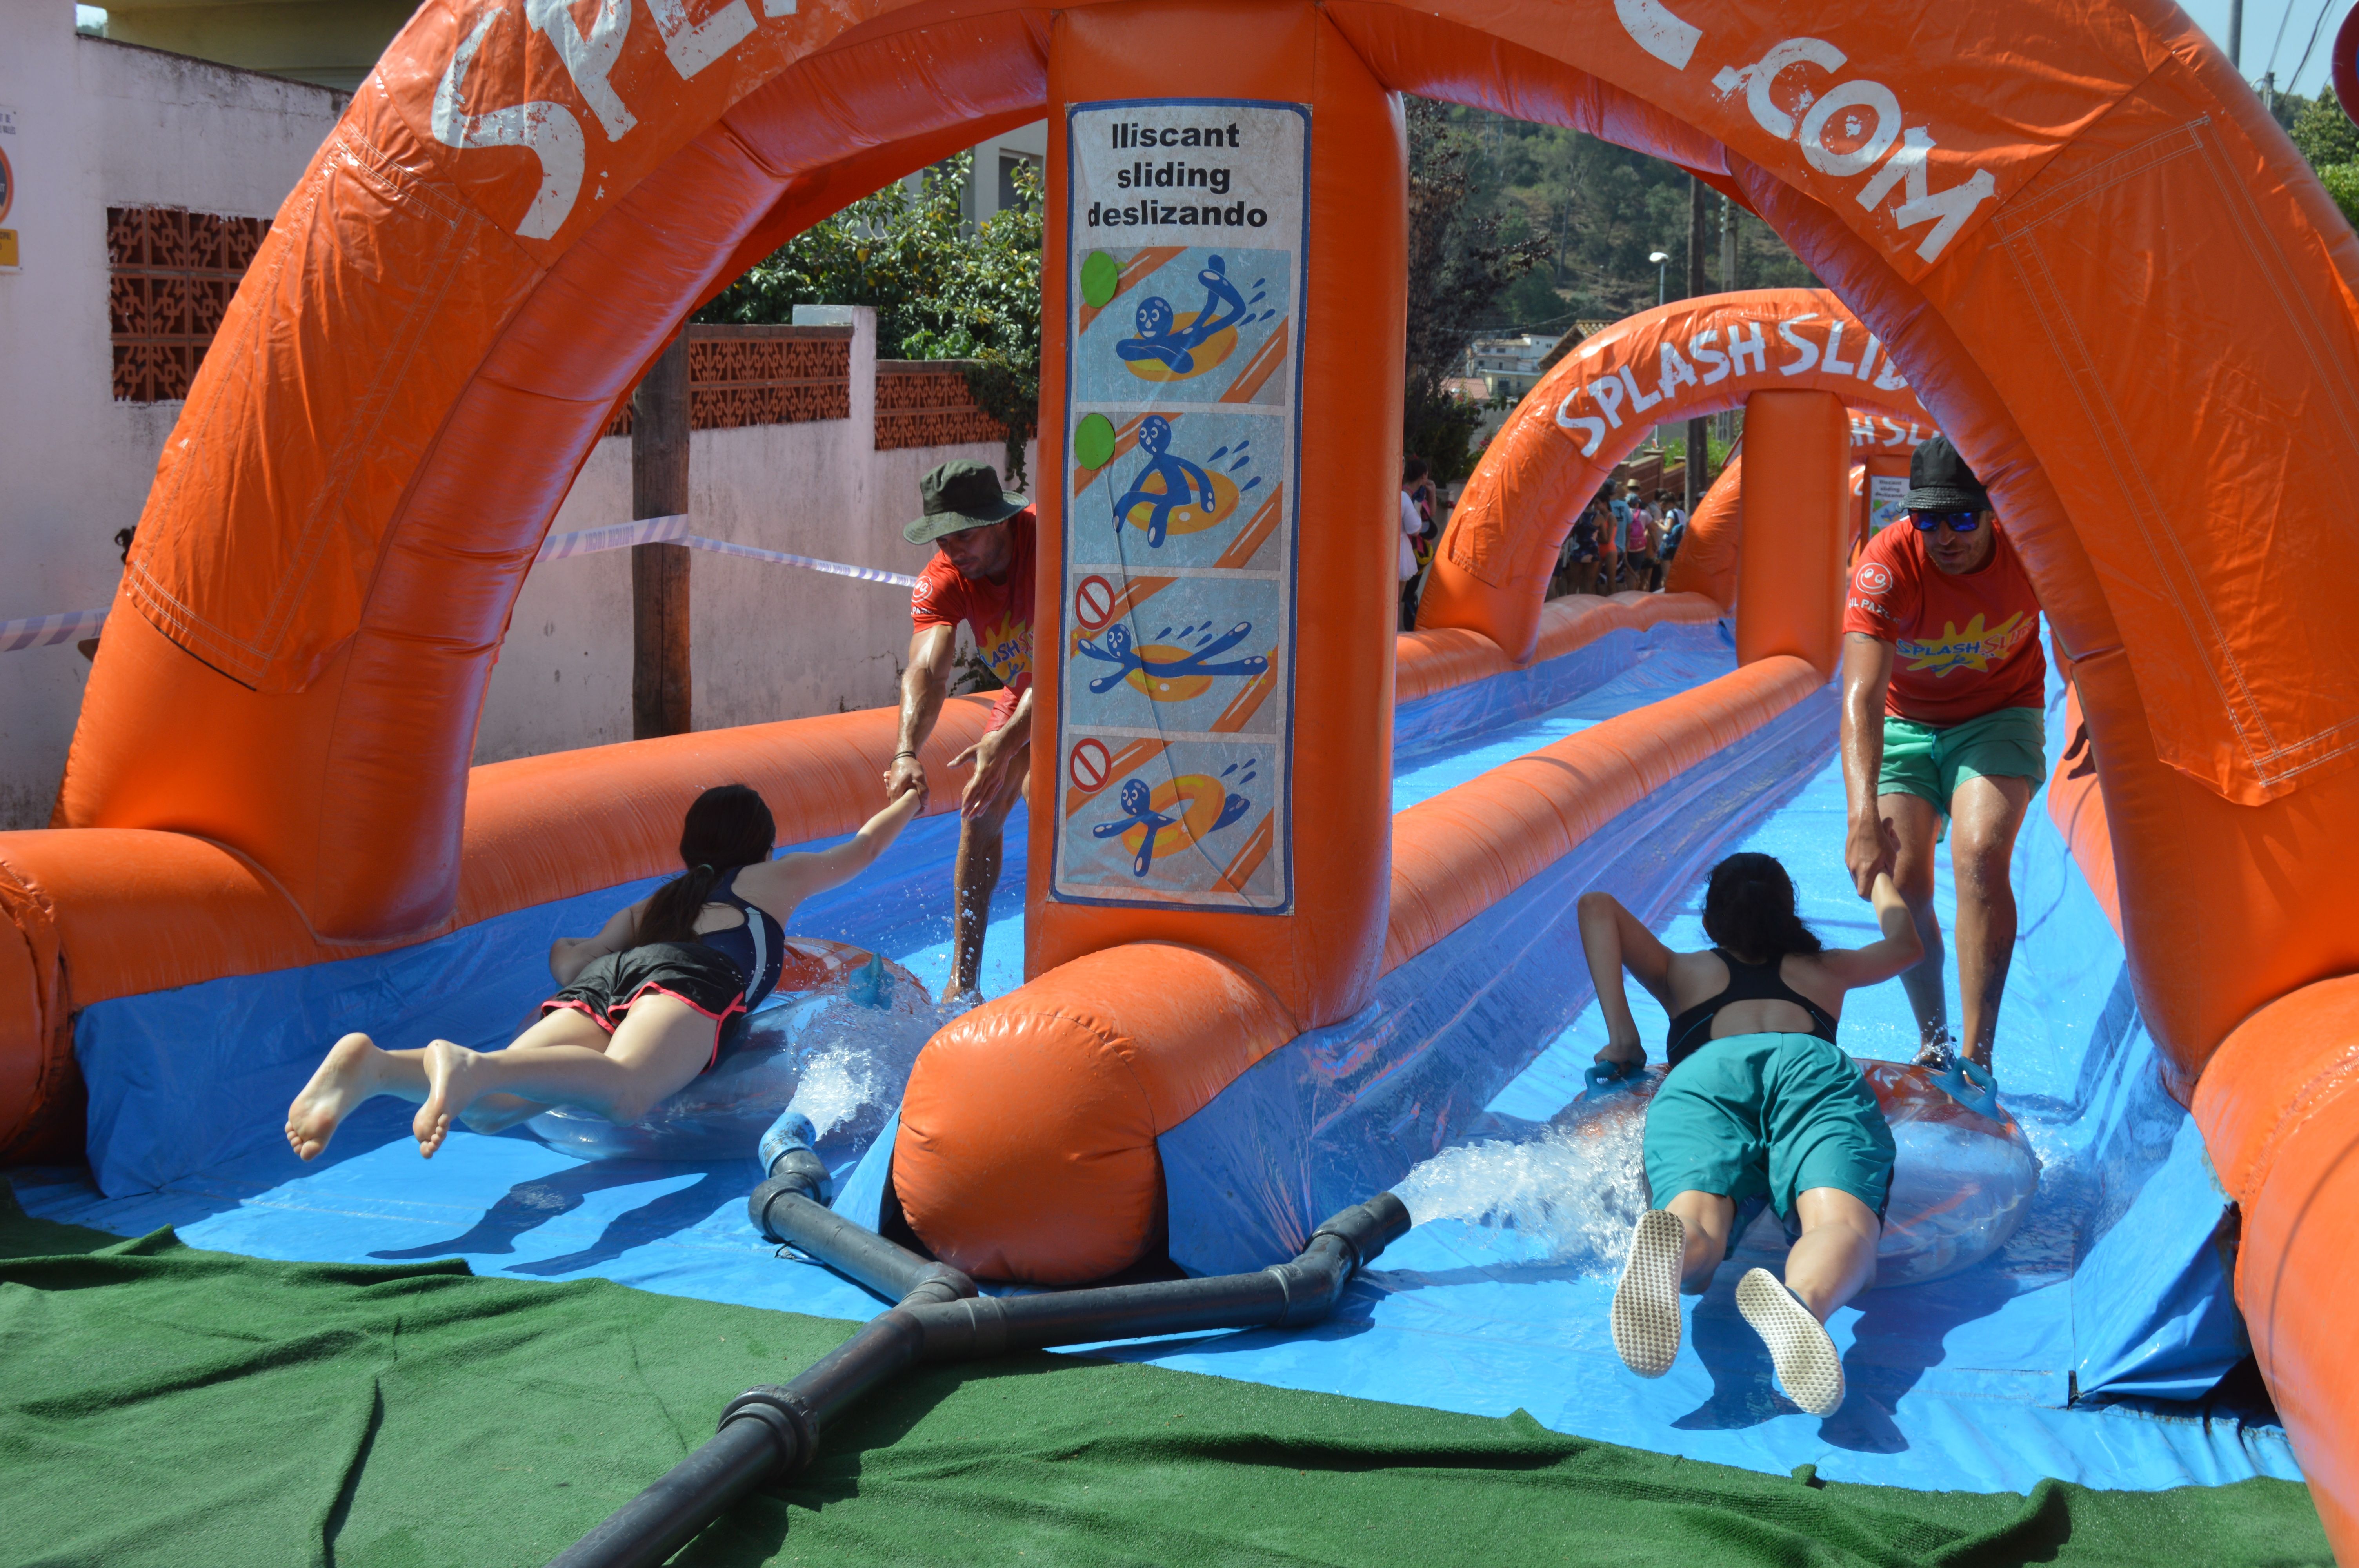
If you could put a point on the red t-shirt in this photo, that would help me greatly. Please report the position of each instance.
(1962, 646)
(998, 613)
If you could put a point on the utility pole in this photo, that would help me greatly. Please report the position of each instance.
(2236, 35)
(1699, 438)
(659, 646)
(1728, 284)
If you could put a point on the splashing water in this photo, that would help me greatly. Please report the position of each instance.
(1962, 1186)
(1578, 1186)
(844, 1064)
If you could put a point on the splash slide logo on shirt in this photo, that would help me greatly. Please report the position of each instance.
(1873, 576)
(1007, 649)
(1973, 649)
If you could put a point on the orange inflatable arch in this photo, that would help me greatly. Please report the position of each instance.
(1593, 408)
(521, 203)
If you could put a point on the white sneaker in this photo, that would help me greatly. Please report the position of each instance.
(1810, 1368)
(1647, 1301)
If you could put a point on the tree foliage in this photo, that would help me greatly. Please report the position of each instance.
(2331, 142)
(940, 292)
(1461, 258)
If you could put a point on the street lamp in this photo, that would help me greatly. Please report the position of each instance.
(1662, 267)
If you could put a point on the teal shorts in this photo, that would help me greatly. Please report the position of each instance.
(1767, 1116)
(1929, 760)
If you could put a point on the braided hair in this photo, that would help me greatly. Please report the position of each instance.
(728, 825)
(1748, 908)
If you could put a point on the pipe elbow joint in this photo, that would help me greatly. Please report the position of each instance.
(766, 1197)
(791, 1423)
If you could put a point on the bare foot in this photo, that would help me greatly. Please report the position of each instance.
(347, 1078)
(450, 1075)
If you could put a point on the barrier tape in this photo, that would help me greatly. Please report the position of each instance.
(674, 530)
(41, 630)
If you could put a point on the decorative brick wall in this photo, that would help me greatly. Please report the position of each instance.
(171, 274)
(925, 402)
(739, 376)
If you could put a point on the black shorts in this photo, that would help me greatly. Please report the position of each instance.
(688, 970)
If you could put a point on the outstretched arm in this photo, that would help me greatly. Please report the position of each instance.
(1613, 939)
(924, 685)
(1900, 946)
(1866, 676)
(569, 956)
(778, 885)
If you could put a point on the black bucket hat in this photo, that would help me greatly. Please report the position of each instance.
(1940, 481)
(961, 494)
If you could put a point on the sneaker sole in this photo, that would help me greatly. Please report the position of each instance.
(1810, 1368)
(1647, 1301)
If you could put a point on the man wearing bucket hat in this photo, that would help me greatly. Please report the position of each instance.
(1942, 685)
(981, 574)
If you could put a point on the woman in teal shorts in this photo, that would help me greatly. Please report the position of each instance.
(1760, 1105)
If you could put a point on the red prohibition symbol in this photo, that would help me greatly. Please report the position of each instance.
(1093, 603)
(1090, 765)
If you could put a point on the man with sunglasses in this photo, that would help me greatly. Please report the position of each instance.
(1942, 685)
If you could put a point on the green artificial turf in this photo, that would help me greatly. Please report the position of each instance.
(164, 1405)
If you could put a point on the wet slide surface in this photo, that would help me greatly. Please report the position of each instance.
(1959, 1382)
(2113, 1292)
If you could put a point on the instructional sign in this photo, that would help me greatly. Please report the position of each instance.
(1185, 240)
(1888, 494)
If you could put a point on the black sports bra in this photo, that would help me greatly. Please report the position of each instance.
(1692, 1030)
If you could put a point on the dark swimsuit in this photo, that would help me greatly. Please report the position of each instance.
(1692, 1030)
(724, 975)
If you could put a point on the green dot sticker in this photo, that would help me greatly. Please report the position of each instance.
(1100, 275)
(1094, 441)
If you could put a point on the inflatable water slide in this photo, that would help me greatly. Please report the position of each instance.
(1295, 904)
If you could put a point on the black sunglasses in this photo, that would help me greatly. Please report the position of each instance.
(1959, 522)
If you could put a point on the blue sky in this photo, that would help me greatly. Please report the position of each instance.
(2263, 20)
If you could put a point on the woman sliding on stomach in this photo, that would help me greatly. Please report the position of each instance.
(1760, 1104)
(645, 1006)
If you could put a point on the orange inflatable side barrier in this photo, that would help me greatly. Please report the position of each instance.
(103, 912)
(2279, 1109)
(1458, 854)
(106, 913)
(1027, 1149)
(1432, 661)
(1592, 410)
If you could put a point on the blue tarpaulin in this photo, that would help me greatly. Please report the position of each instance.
(1989, 1379)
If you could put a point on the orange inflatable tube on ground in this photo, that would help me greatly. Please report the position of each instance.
(1600, 402)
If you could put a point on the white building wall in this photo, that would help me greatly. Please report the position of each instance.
(98, 124)
(767, 642)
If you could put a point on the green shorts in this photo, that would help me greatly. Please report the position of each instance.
(1767, 1116)
(1929, 760)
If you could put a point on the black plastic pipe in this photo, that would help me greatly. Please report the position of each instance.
(772, 1431)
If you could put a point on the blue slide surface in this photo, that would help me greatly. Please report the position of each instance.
(2059, 1355)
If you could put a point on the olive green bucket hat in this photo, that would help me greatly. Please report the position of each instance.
(961, 494)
